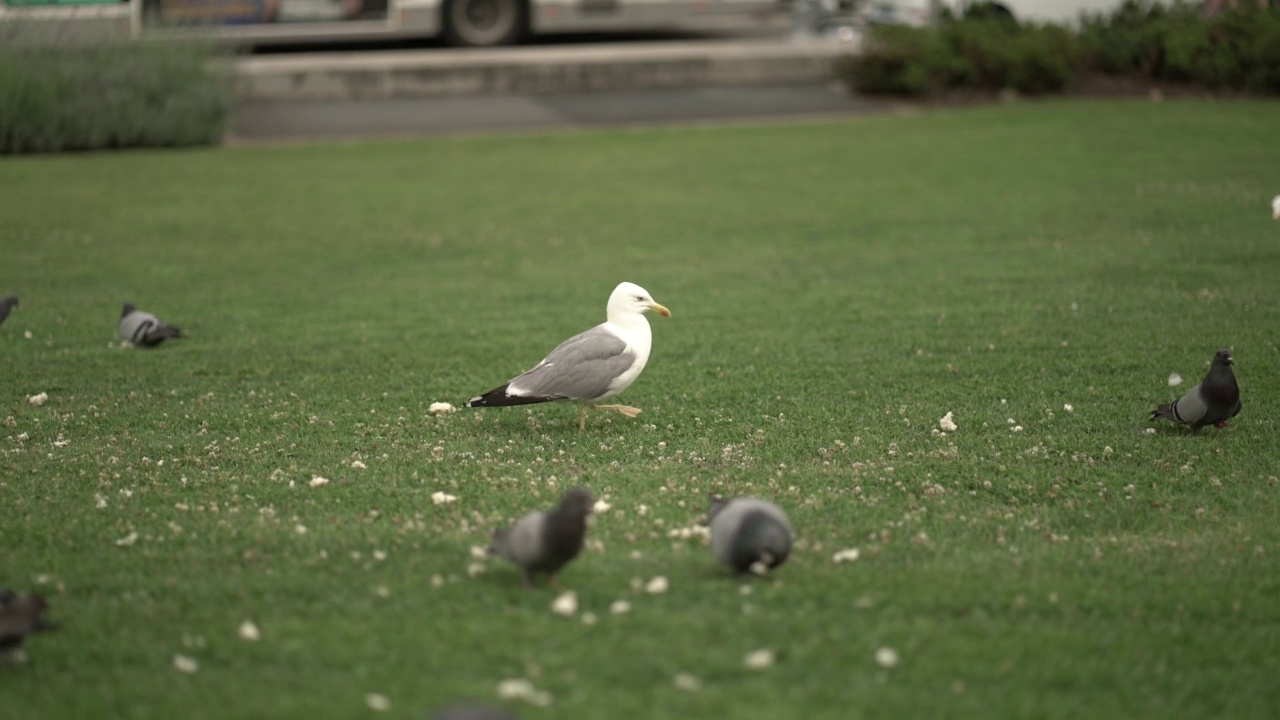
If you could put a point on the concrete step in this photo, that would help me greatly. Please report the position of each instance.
(541, 70)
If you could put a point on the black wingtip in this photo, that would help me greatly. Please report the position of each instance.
(498, 397)
(491, 398)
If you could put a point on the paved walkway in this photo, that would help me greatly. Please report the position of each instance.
(281, 121)
(532, 70)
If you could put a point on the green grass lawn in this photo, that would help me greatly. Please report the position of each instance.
(836, 288)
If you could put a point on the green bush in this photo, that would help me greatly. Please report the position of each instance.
(59, 93)
(1236, 49)
(1127, 40)
(994, 54)
(1044, 60)
(1241, 50)
(986, 49)
(904, 61)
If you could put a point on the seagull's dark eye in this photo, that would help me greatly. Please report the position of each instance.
(639, 298)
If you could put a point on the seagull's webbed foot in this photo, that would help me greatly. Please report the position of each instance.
(626, 410)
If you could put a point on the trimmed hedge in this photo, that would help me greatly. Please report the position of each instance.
(64, 93)
(988, 50)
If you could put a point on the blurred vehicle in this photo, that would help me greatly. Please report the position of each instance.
(920, 12)
(916, 13)
(475, 23)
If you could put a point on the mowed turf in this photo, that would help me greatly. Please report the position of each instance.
(1038, 270)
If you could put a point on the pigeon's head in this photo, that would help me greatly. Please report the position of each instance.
(128, 308)
(1223, 357)
(577, 502)
(497, 540)
(37, 603)
(9, 301)
(31, 605)
(630, 298)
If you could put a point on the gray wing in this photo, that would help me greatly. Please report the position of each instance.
(135, 326)
(522, 544)
(580, 368)
(1190, 408)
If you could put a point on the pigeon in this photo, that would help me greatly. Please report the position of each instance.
(592, 365)
(20, 616)
(747, 532)
(472, 712)
(7, 303)
(546, 540)
(143, 328)
(1213, 402)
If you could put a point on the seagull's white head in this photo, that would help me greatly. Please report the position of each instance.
(631, 299)
(1275, 208)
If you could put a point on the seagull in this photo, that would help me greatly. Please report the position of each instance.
(1275, 208)
(590, 366)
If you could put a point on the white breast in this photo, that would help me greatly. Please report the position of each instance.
(639, 339)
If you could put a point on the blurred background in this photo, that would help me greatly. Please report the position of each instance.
(296, 69)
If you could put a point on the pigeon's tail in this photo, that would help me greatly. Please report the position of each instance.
(1165, 411)
(762, 539)
(151, 333)
(500, 396)
(775, 545)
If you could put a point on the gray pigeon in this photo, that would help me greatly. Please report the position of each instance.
(472, 712)
(143, 328)
(20, 616)
(7, 303)
(546, 540)
(746, 531)
(1213, 402)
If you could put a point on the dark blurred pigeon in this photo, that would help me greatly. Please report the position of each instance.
(1213, 402)
(7, 303)
(472, 712)
(20, 616)
(143, 328)
(546, 540)
(746, 531)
